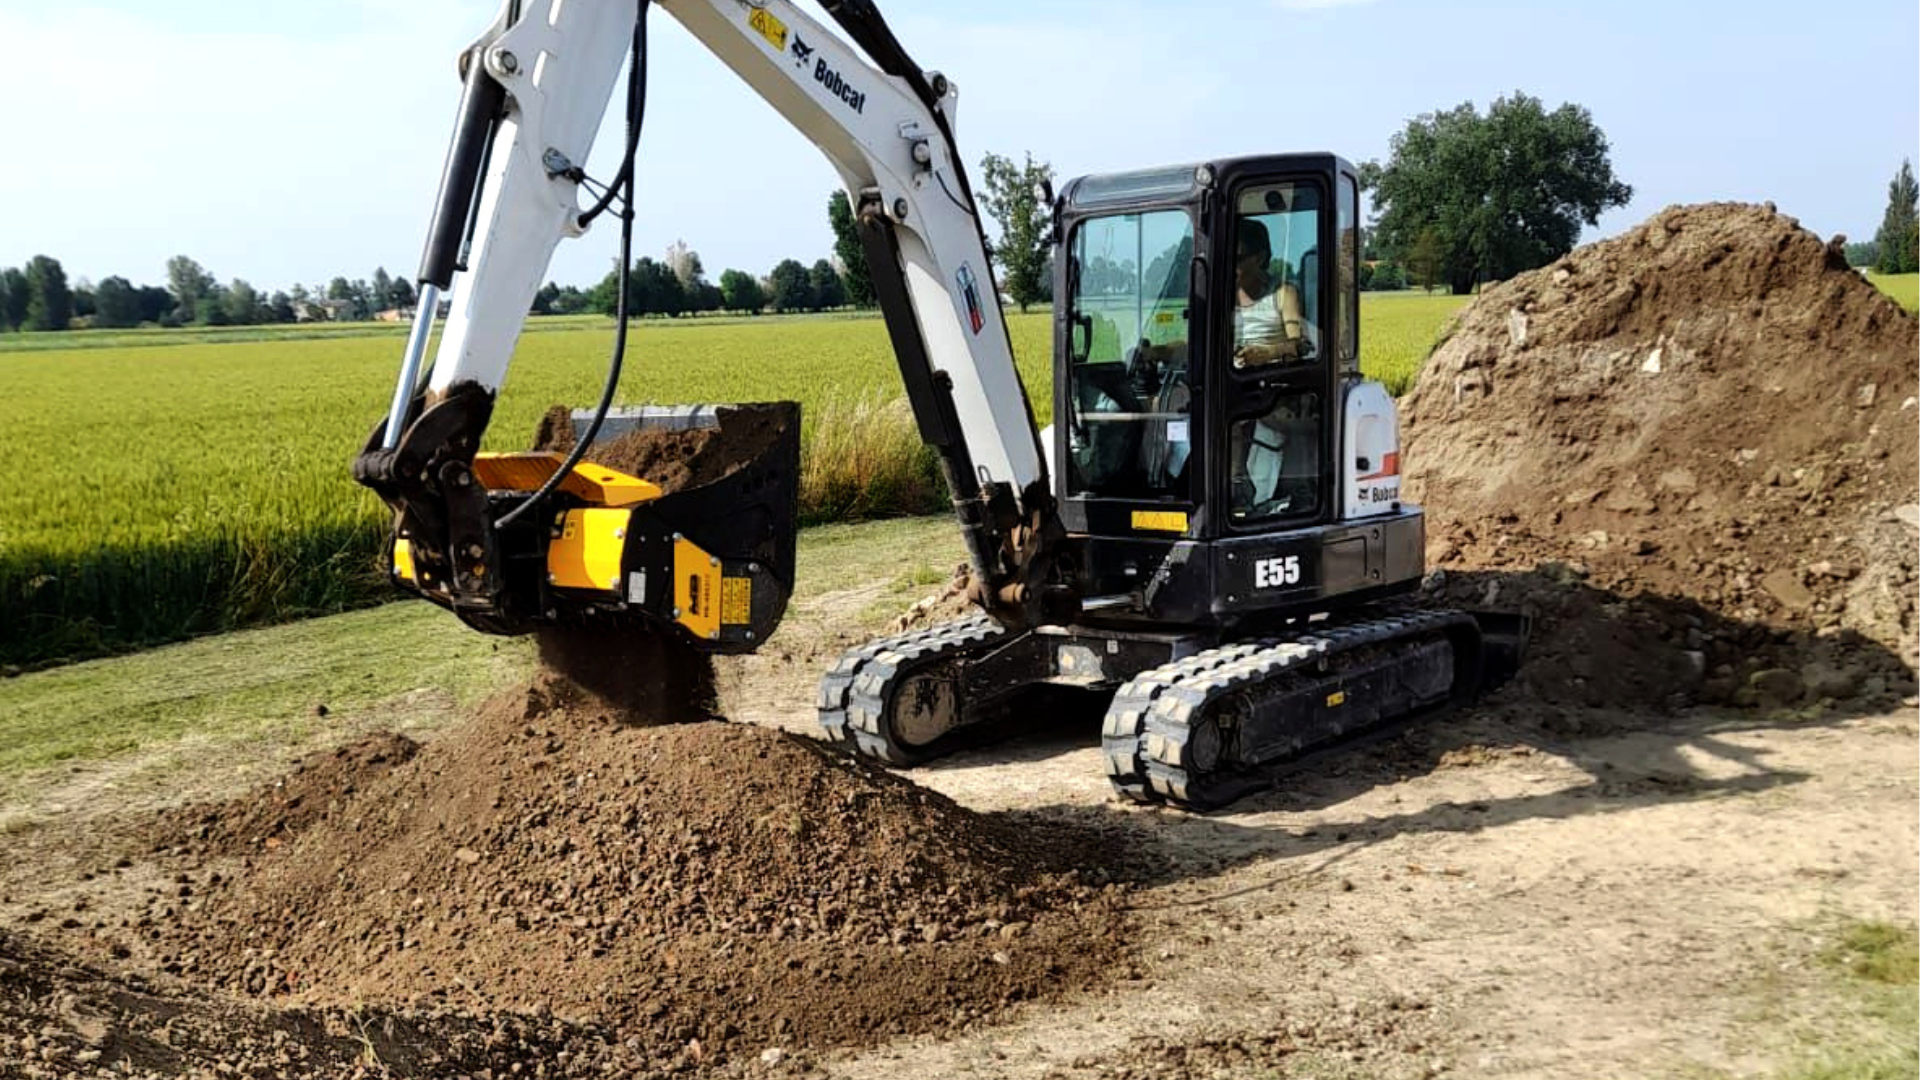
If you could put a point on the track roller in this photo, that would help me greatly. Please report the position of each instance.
(1200, 732)
(898, 699)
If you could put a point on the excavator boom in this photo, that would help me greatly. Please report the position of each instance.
(535, 87)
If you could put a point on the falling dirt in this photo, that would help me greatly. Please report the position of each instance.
(1690, 451)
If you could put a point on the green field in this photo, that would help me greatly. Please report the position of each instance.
(1904, 288)
(170, 483)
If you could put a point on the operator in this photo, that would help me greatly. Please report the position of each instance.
(1269, 321)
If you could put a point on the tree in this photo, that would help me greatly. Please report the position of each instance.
(401, 294)
(828, 289)
(357, 295)
(1863, 253)
(1387, 276)
(543, 300)
(242, 303)
(49, 301)
(740, 291)
(1502, 193)
(792, 288)
(1899, 235)
(1013, 198)
(855, 277)
(570, 301)
(211, 310)
(116, 303)
(157, 305)
(188, 281)
(280, 308)
(382, 289)
(13, 298)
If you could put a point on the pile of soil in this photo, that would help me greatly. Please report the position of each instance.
(945, 606)
(61, 1016)
(1691, 451)
(316, 786)
(674, 460)
(707, 891)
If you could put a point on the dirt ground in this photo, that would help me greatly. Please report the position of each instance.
(1509, 894)
(1505, 894)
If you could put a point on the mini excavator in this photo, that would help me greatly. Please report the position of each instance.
(1209, 538)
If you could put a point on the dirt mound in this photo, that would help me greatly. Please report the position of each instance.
(61, 1016)
(707, 886)
(317, 784)
(1706, 420)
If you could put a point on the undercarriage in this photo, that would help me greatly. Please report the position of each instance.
(1194, 720)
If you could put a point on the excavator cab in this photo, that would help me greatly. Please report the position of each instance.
(1215, 446)
(1228, 485)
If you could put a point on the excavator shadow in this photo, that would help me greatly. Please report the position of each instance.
(1599, 720)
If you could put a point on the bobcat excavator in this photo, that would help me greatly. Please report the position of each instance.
(1210, 536)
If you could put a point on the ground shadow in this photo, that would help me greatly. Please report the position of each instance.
(1633, 690)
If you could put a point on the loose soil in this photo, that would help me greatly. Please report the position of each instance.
(706, 885)
(1691, 451)
(674, 460)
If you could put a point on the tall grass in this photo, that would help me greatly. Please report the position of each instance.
(865, 459)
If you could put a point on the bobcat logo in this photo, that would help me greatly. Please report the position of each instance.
(802, 52)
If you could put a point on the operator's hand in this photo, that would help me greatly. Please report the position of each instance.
(1255, 355)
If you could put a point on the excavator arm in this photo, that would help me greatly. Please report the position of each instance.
(535, 87)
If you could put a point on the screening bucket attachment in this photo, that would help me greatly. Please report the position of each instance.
(678, 520)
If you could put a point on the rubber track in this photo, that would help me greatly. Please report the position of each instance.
(1147, 734)
(855, 691)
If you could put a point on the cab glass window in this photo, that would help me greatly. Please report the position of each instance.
(1130, 435)
(1276, 275)
(1274, 461)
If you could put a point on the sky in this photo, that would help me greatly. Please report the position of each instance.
(285, 141)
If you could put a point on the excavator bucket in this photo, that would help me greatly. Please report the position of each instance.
(678, 520)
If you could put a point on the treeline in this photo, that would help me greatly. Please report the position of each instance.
(38, 297)
(678, 286)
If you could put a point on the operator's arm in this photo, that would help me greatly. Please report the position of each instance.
(1292, 344)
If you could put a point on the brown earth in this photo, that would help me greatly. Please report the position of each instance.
(706, 885)
(1691, 452)
(674, 460)
(315, 787)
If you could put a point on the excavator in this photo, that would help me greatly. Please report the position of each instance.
(1210, 537)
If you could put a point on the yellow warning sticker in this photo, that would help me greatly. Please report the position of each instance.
(1160, 520)
(1336, 699)
(1164, 318)
(769, 27)
(736, 600)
